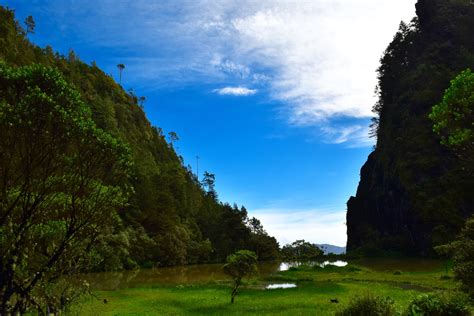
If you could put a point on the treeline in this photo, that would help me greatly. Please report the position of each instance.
(301, 250)
(170, 217)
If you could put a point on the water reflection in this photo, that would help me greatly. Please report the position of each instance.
(284, 266)
(213, 272)
(280, 286)
(337, 263)
(148, 277)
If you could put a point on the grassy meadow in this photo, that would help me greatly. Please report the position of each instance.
(315, 288)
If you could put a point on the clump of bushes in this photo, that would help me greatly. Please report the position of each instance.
(397, 272)
(369, 305)
(439, 304)
(431, 304)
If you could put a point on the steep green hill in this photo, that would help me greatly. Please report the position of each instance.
(171, 219)
(415, 193)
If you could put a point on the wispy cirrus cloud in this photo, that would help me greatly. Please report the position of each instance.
(316, 59)
(235, 91)
(351, 135)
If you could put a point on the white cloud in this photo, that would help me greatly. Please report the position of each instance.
(324, 53)
(352, 135)
(318, 59)
(317, 226)
(231, 68)
(236, 91)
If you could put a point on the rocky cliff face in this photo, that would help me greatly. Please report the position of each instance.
(413, 192)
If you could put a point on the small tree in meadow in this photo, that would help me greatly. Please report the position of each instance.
(239, 265)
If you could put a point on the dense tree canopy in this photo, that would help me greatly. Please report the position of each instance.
(301, 250)
(171, 217)
(63, 181)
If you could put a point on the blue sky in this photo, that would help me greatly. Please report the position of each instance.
(274, 96)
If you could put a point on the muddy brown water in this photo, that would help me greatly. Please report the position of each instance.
(213, 272)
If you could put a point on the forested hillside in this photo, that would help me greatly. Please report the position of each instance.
(415, 193)
(171, 216)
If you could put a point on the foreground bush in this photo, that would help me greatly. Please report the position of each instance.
(369, 305)
(462, 252)
(62, 182)
(439, 304)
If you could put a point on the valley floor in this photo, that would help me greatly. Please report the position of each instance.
(315, 288)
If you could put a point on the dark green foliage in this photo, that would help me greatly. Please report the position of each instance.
(464, 257)
(30, 24)
(301, 250)
(169, 218)
(208, 183)
(265, 246)
(414, 192)
(439, 304)
(462, 252)
(120, 67)
(241, 264)
(369, 305)
(63, 181)
(454, 117)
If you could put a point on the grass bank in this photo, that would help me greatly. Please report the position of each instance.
(316, 287)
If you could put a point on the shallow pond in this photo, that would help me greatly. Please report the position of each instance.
(284, 266)
(167, 276)
(213, 272)
(280, 286)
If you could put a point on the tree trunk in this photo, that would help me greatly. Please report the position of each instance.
(234, 290)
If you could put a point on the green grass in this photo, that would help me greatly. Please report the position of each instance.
(316, 287)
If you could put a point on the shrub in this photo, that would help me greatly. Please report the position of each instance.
(439, 304)
(398, 272)
(369, 305)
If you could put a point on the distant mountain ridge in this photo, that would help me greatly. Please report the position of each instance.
(327, 248)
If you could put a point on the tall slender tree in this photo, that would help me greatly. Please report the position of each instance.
(30, 25)
(120, 67)
(142, 100)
